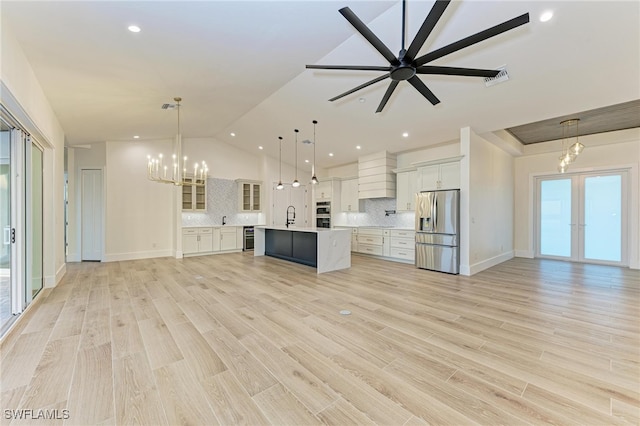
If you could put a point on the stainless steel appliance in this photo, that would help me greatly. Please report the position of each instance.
(323, 214)
(438, 231)
(247, 233)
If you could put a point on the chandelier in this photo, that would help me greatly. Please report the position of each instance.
(570, 151)
(172, 171)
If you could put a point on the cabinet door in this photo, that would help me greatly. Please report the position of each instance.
(215, 239)
(206, 243)
(245, 197)
(189, 243)
(255, 197)
(323, 190)
(227, 240)
(450, 176)
(200, 196)
(429, 177)
(386, 244)
(349, 196)
(187, 196)
(406, 188)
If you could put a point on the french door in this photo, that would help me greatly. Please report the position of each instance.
(583, 217)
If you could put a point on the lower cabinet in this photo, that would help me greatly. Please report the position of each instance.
(389, 243)
(206, 240)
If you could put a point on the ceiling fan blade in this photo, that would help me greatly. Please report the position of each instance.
(422, 88)
(348, 67)
(387, 95)
(362, 86)
(368, 34)
(473, 39)
(427, 26)
(467, 72)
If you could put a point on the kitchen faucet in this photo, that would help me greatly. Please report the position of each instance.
(293, 218)
(224, 220)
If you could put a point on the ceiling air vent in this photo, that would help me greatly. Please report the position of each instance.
(503, 75)
(168, 106)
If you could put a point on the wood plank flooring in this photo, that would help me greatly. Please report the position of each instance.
(234, 339)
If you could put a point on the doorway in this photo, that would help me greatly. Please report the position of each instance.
(583, 217)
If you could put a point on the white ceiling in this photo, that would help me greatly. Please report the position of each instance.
(239, 67)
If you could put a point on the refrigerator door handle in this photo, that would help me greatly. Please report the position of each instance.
(434, 213)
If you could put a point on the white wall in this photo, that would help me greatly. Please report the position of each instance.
(22, 94)
(486, 213)
(603, 151)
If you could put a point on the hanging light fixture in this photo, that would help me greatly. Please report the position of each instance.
(569, 151)
(280, 185)
(314, 179)
(295, 183)
(158, 170)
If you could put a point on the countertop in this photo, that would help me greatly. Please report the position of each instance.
(375, 227)
(300, 229)
(228, 225)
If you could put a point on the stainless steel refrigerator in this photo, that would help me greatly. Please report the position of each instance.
(438, 231)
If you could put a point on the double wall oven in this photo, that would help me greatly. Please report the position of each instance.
(323, 214)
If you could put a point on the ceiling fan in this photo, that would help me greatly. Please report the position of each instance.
(405, 66)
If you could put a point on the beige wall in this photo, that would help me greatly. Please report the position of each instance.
(22, 95)
(603, 151)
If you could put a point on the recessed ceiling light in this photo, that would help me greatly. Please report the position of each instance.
(232, 134)
(306, 161)
(405, 135)
(134, 28)
(331, 154)
(136, 137)
(260, 147)
(358, 147)
(546, 16)
(362, 100)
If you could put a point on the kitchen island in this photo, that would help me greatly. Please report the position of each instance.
(325, 249)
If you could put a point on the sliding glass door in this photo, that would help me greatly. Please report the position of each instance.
(6, 290)
(582, 217)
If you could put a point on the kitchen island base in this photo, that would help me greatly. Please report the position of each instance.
(325, 249)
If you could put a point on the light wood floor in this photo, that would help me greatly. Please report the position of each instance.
(232, 339)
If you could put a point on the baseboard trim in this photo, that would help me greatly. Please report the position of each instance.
(524, 253)
(118, 257)
(488, 263)
(62, 270)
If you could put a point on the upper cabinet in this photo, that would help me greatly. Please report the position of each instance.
(349, 200)
(324, 190)
(406, 188)
(194, 197)
(249, 195)
(443, 175)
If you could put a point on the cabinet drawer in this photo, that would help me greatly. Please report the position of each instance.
(369, 249)
(370, 231)
(189, 231)
(403, 243)
(230, 230)
(205, 230)
(401, 253)
(402, 233)
(375, 240)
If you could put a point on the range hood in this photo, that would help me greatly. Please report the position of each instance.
(375, 176)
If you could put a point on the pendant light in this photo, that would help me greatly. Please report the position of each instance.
(295, 183)
(314, 179)
(569, 151)
(280, 185)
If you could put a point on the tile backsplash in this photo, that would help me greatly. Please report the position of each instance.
(222, 200)
(374, 215)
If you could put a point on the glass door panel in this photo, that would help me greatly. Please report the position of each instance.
(34, 235)
(5, 225)
(602, 224)
(555, 218)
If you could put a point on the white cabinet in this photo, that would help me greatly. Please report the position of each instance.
(406, 189)
(240, 237)
(386, 242)
(349, 201)
(227, 239)
(197, 240)
(194, 197)
(324, 190)
(249, 196)
(402, 244)
(370, 241)
(439, 176)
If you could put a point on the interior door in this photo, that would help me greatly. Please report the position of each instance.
(92, 215)
(583, 217)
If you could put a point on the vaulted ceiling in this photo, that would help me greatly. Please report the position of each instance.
(239, 67)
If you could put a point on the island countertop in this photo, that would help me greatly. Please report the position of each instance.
(323, 248)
